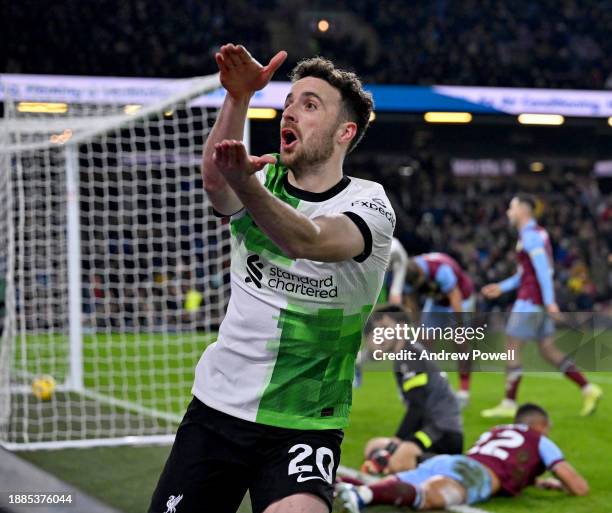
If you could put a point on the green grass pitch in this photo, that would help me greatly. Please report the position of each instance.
(125, 476)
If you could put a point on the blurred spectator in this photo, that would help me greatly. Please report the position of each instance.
(582, 287)
(466, 218)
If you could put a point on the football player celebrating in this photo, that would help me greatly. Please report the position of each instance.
(310, 247)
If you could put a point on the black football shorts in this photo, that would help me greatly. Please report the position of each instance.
(216, 458)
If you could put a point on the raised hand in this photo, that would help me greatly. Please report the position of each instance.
(241, 74)
(235, 165)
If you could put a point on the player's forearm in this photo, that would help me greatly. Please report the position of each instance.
(510, 283)
(290, 230)
(541, 265)
(455, 300)
(425, 437)
(399, 257)
(573, 482)
(579, 486)
(229, 125)
(409, 425)
(399, 276)
(414, 400)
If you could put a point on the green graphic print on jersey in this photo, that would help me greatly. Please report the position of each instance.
(311, 383)
(286, 349)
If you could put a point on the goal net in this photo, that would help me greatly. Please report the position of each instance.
(113, 270)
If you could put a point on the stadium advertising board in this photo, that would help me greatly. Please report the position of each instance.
(479, 100)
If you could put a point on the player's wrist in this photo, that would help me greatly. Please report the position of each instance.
(239, 98)
(552, 307)
(418, 440)
(246, 186)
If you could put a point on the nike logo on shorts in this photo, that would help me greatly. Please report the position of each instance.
(301, 478)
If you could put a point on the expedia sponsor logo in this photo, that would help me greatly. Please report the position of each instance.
(254, 267)
(377, 204)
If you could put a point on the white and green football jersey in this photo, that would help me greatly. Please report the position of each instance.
(285, 353)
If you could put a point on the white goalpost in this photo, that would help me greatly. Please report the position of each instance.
(113, 267)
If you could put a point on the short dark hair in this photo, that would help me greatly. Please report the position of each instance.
(530, 412)
(357, 103)
(527, 199)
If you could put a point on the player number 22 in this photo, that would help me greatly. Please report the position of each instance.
(304, 451)
(506, 439)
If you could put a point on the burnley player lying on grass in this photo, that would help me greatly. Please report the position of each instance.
(505, 460)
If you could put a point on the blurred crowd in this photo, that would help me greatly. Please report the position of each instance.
(517, 43)
(127, 38)
(467, 219)
(151, 278)
(549, 43)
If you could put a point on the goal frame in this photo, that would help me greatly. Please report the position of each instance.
(74, 378)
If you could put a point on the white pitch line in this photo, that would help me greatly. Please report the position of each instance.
(351, 472)
(130, 406)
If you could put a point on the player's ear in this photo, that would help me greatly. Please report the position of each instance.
(347, 132)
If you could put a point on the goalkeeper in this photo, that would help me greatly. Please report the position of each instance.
(310, 246)
(432, 423)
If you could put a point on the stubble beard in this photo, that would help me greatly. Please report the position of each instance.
(312, 154)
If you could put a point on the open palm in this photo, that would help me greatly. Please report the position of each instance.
(241, 74)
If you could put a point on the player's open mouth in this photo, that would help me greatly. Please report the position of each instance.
(289, 139)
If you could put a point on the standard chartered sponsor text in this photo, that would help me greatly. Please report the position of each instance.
(302, 285)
